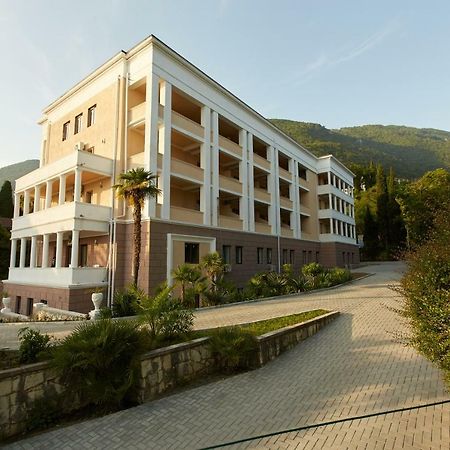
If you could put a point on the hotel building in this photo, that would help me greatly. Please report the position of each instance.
(230, 181)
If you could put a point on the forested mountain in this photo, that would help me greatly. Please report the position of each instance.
(14, 171)
(409, 151)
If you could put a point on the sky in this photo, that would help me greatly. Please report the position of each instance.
(334, 62)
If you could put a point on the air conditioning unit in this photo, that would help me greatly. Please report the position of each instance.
(79, 146)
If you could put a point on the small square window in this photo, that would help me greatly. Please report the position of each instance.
(78, 123)
(191, 253)
(91, 115)
(259, 255)
(226, 254)
(66, 130)
(238, 255)
(269, 255)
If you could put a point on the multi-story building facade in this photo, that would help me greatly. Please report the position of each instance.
(230, 181)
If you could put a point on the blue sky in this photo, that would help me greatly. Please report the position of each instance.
(338, 63)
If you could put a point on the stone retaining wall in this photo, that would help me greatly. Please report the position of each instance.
(161, 371)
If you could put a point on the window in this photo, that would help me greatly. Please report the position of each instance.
(305, 257)
(292, 257)
(238, 255)
(259, 255)
(78, 123)
(302, 171)
(18, 304)
(226, 254)
(29, 306)
(66, 130)
(285, 256)
(317, 257)
(310, 256)
(88, 196)
(191, 253)
(91, 115)
(269, 255)
(83, 255)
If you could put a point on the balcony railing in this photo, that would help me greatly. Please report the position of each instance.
(286, 232)
(263, 228)
(230, 146)
(285, 174)
(63, 276)
(261, 162)
(136, 115)
(183, 123)
(230, 184)
(186, 215)
(285, 202)
(182, 168)
(262, 195)
(230, 222)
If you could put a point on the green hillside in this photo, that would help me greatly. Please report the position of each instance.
(18, 170)
(409, 151)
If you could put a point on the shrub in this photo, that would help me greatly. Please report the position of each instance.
(34, 345)
(126, 301)
(426, 290)
(338, 275)
(44, 412)
(165, 316)
(99, 360)
(312, 269)
(232, 347)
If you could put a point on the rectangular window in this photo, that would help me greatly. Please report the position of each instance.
(78, 123)
(29, 306)
(317, 257)
(91, 115)
(18, 304)
(191, 253)
(238, 255)
(83, 257)
(310, 256)
(292, 257)
(269, 255)
(259, 255)
(226, 254)
(66, 130)
(285, 256)
(88, 196)
(305, 257)
(302, 171)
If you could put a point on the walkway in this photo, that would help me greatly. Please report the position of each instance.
(352, 367)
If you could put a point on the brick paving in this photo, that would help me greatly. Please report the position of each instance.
(352, 367)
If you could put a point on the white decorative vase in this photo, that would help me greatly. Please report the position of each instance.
(6, 304)
(97, 298)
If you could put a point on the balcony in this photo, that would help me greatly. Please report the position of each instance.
(305, 210)
(264, 228)
(184, 169)
(88, 161)
(261, 162)
(135, 161)
(182, 123)
(230, 222)
(262, 195)
(55, 277)
(230, 146)
(136, 115)
(286, 232)
(230, 184)
(285, 203)
(283, 173)
(186, 215)
(69, 216)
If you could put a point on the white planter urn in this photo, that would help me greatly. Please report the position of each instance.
(6, 304)
(97, 298)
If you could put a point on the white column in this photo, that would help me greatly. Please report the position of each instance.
(45, 248)
(331, 226)
(151, 136)
(271, 183)
(26, 202)
(215, 168)
(37, 197)
(244, 204)
(33, 251)
(251, 184)
(77, 185)
(165, 146)
(205, 162)
(12, 259)
(16, 204)
(59, 248)
(48, 193)
(275, 194)
(329, 177)
(294, 194)
(62, 189)
(23, 250)
(330, 199)
(75, 246)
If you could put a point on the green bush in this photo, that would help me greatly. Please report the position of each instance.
(126, 301)
(165, 316)
(34, 345)
(426, 290)
(233, 348)
(100, 360)
(312, 269)
(44, 412)
(337, 275)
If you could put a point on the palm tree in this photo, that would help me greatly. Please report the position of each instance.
(214, 266)
(135, 186)
(188, 275)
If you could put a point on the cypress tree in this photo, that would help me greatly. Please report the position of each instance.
(382, 208)
(371, 243)
(6, 200)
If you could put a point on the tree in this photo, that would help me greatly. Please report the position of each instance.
(397, 231)
(371, 243)
(135, 186)
(190, 278)
(382, 208)
(5, 249)
(214, 266)
(6, 200)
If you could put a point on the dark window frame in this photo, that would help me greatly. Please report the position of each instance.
(66, 130)
(239, 250)
(226, 254)
(259, 255)
(78, 126)
(91, 115)
(191, 252)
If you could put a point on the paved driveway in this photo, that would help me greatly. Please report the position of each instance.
(352, 367)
